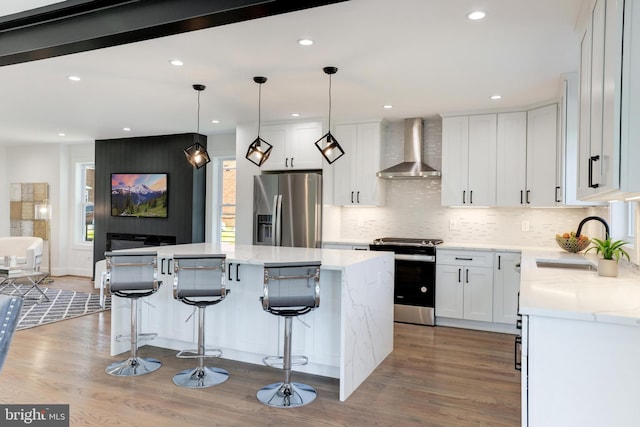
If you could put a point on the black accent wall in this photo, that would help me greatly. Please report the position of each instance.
(152, 154)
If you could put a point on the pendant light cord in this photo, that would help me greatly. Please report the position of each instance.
(198, 128)
(259, 106)
(329, 102)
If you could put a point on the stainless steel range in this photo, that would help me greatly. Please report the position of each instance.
(415, 277)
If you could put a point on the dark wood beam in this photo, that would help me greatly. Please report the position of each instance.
(80, 25)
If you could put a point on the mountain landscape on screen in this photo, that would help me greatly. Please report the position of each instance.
(139, 195)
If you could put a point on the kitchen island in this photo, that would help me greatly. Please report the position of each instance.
(580, 343)
(346, 337)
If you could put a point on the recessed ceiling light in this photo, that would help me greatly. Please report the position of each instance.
(476, 15)
(494, 97)
(61, 134)
(215, 121)
(305, 42)
(176, 62)
(74, 78)
(387, 107)
(295, 114)
(126, 129)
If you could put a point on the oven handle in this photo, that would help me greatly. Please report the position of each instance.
(423, 258)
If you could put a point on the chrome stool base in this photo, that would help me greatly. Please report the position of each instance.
(281, 395)
(133, 366)
(200, 377)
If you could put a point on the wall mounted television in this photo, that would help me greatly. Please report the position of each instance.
(139, 195)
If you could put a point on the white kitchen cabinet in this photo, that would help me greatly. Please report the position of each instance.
(464, 285)
(511, 164)
(354, 179)
(630, 132)
(542, 151)
(579, 372)
(600, 100)
(293, 146)
(469, 160)
(506, 285)
(527, 152)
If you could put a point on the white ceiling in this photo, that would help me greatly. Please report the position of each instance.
(422, 56)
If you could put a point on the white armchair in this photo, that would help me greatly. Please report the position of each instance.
(27, 250)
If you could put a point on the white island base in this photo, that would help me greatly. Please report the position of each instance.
(346, 337)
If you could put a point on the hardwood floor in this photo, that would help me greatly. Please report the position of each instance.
(434, 377)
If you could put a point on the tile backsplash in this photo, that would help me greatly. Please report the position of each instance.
(413, 208)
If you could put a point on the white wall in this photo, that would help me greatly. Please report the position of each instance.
(41, 163)
(4, 194)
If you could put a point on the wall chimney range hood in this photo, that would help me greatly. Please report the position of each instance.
(413, 166)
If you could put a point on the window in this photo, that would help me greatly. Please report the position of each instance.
(228, 206)
(87, 185)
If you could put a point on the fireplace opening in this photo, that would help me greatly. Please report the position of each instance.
(116, 241)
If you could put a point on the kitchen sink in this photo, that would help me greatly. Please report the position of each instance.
(575, 264)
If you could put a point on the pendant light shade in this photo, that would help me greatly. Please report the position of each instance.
(196, 154)
(259, 150)
(328, 144)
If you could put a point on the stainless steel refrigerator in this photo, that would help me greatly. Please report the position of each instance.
(287, 210)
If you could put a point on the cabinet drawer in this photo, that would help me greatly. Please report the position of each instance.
(464, 258)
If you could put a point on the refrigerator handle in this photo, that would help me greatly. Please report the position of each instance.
(274, 220)
(278, 221)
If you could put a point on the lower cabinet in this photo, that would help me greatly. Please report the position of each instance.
(506, 285)
(579, 372)
(465, 285)
(478, 286)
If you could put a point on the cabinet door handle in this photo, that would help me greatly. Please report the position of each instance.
(521, 196)
(292, 162)
(459, 275)
(170, 263)
(527, 199)
(557, 199)
(463, 259)
(286, 162)
(591, 160)
(161, 265)
(237, 272)
(464, 197)
(352, 197)
(471, 197)
(230, 264)
(499, 260)
(466, 279)
(517, 361)
(358, 197)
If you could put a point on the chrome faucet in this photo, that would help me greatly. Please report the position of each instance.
(596, 218)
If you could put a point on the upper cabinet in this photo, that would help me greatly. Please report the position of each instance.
(609, 101)
(293, 146)
(527, 166)
(354, 179)
(469, 160)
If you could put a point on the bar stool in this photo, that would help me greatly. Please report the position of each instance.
(199, 281)
(133, 275)
(290, 289)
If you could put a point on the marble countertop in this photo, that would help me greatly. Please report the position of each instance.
(578, 294)
(332, 259)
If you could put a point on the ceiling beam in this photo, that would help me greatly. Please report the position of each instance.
(80, 25)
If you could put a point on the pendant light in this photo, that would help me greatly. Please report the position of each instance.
(196, 154)
(328, 144)
(259, 150)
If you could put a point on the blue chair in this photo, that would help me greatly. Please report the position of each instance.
(133, 275)
(289, 290)
(199, 281)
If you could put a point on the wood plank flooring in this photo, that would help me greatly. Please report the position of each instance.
(434, 377)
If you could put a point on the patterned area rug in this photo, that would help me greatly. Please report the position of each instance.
(62, 305)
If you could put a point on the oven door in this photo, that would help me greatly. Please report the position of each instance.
(415, 282)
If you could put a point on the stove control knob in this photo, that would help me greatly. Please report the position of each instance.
(423, 289)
